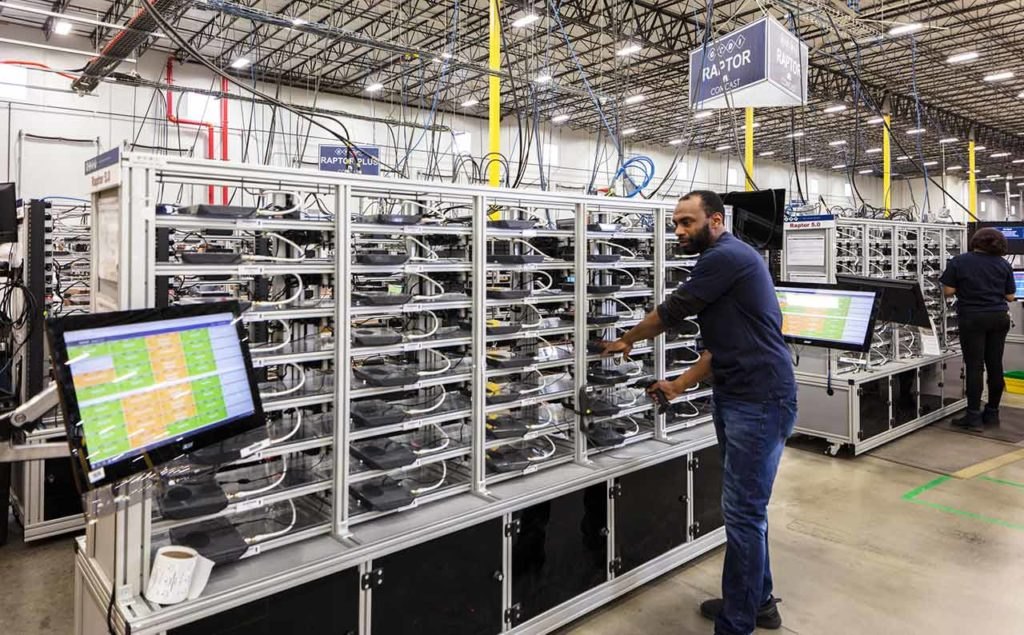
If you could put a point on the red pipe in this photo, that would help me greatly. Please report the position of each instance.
(224, 132)
(210, 154)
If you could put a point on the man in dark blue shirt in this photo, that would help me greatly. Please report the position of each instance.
(731, 293)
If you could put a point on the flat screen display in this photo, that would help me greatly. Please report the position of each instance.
(900, 301)
(827, 315)
(758, 217)
(1018, 279)
(1013, 230)
(142, 387)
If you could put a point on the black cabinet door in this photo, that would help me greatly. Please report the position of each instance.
(60, 494)
(874, 408)
(449, 585)
(327, 605)
(559, 551)
(650, 513)
(707, 491)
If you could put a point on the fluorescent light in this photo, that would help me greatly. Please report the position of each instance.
(959, 58)
(979, 148)
(543, 78)
(767, 153)
(1020, 185)
(634, 99)
(903, 158)
(62, 27)
(868, 171)
(703, 114)
(872, 151)
(992, 177)
(1000, 155)
(835, 108)
(628, 131)
(525, 20)
(904, 29)
(1017, 161)
(242, 62)
(795, 135)
(469, 103)
(757, 124)
(841, 166)
(1001, 76)
(837, 142)
(628, 49)
(948, 140)
(929, 164)
(560, 118)
(876, 120)
(60, 49)
(916, 131)
(954, 168)
(986, 191)
(723, 148)
(805, 160)
(675, 142)
(298, 22)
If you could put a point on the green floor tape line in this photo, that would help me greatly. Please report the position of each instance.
(912, 495)
(1001, 481)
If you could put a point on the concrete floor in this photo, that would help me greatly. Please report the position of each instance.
(854, 552)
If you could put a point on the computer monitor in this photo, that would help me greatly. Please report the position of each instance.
(1018, 280)
(8, 213)
(1013, 230)
(139, 388)
(758, 217)
(827, 315)
(900, 301)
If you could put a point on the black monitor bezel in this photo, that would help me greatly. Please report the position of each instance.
(893, 283)
(1013, 247)
(778, 199)
(87, 477)
(863, 347)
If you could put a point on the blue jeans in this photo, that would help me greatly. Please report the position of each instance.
(751, 435)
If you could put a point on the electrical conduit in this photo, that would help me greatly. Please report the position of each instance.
(176, 120)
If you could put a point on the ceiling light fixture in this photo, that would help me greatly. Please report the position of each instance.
(960, 58)
(469, 103)
(242, 62)
(841, 166)
(837, 142)
(675, 142)
(298, 21)
(634, 99)
(986, 191)
(526, 19)
(948, 140)
(876, 120)
(1017, 161)
(703, 114)
(916, 131)
(795, 135)
(1001, 76)
(62, 27)
(628, 48)
(992, 177)
(835, 108)
(805, 160)
(954, 168)
(628, 131)
(1000, 155)
(543, 78)
(723, 148)
(560, 118)
(904, 29)
(868, 171)
(903, 158)
(979, 148)
(872, 151)
(767, 153)
(929, 164)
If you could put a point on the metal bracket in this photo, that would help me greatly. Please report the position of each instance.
(372, 580)
(615, 565)
(693, 529)
(694, 463)
(615, 490)
(512, 528)
(513, 614)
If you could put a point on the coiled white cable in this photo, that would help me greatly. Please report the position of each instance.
(551, 281)
(288, 391)
(286, 301)
(447, 441)
(550, 418)
(420, 336)
(276, 534)
(550, 453)
(544, 384)
(297, 207)
(261, 490)
(630, 252)
(540, 318)
(423, 411)
(632, 310)
(432, 255)
(437, 285)
(298, 424)
(423, 490)
(439, 371)
(285, 341)
(291, 243)
(632, 279)
(528, 245)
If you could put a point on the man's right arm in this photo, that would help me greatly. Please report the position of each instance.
(676, 308)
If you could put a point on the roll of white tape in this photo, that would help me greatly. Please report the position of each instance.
(177, 574)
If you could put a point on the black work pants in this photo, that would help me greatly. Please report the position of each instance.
(982, 337)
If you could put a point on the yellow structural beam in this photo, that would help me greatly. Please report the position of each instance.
(748, 149)
(886, 167)
(972, 180)
(494, 98)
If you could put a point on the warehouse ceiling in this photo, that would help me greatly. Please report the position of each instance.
(433, 55)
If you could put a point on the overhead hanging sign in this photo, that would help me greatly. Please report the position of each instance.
(341, 158)
(761, 64)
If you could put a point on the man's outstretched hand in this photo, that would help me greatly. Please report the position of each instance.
(618, 347)
(668, 388)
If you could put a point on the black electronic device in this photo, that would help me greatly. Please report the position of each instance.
(606, 376)
(215, 539)
(509, 361)
(228, 450)
(593, 289)
(1012, 230)
(396, 219)
(8, 213)
(827, 315)
(192, 498)
(604, 434)
(515, 259)
(496, 293)
(900, 301)
(383, 454)
(758, 217)
(511, 224)
(493, 327)
(659, 397)
(506, 426)
(383, 495)
(381, 298)
(593, 319)
(386, 375)
(592, 405)
(139, 388)
(570, 223)
(375, 336)
(595, 347)
(211, 258)
(218, 211)
(508, 459)
(604, 258)
(374, 413)
(381, 260)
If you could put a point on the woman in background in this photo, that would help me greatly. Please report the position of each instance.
(982, 282)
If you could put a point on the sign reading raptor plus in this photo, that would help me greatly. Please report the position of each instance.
(761, 64)
(340, 158)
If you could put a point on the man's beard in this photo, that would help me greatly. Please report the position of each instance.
(697, 244)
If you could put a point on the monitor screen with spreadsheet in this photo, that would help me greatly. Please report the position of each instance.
(139, 388)
(827, 315)
(1018, 279)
